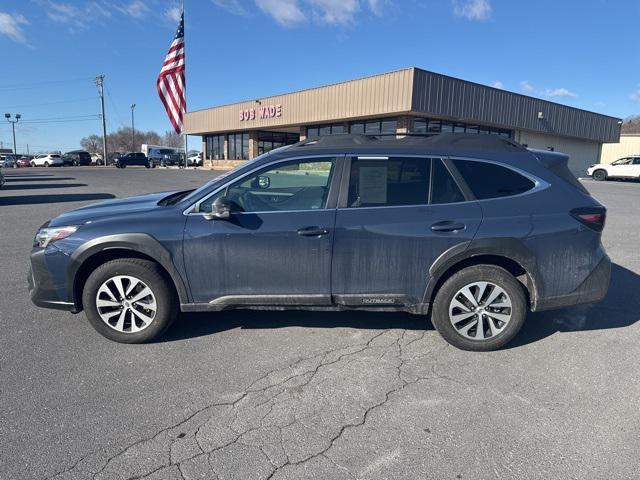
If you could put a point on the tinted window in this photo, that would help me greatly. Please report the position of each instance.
(443, 187)
(488, 180)
(392, 182)
(300, 185)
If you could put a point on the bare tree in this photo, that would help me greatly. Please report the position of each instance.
(172, 139)
(631, 124)
(92, 143)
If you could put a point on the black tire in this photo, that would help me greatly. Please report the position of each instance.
(76, 164)
(46, 164)
(479, 273)
(33, 164)
(147, 272)
(599, 175)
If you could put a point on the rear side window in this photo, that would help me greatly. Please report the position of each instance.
(396, 181)
(488, 180)
(444, 189)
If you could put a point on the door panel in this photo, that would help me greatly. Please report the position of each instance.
(276, 246)
(259, 254)
(395, 218)
(389, 250)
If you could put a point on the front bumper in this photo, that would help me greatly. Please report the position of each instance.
(43, 290)
(593, 289)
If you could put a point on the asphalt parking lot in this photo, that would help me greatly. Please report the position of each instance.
(301, 395)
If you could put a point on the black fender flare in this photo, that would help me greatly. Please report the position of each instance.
(136, 242)
(509, 248)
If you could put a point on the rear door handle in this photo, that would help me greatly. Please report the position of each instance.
(448, 226)
(312, 232)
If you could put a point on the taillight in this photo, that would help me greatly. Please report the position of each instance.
(592, 217)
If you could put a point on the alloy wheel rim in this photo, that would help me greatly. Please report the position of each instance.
(126, 304)
(480, 311)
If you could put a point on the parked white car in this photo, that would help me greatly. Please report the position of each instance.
(627, 167)
(7, 161)
(47, 160)
(194, 160)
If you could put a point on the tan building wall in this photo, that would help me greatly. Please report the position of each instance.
(581, 153)
(628, 145)
(382, 95)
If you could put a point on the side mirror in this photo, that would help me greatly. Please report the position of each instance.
(220, 209)
(262, 182)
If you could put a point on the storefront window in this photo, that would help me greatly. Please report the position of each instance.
(385, 127)
(322, 130)
(426, 126)
(215, 147)
(238, 148)
(268, 141)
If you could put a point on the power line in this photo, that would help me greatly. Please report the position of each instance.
(71, 117)
(26, 86)
(48, 122)
(61, 102)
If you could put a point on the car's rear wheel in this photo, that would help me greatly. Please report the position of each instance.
(600, 175)
(480, 308)
(129, 301)
(46, 164)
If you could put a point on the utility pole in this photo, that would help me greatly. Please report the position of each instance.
(100, 84)
(133, 129)
(13, 126)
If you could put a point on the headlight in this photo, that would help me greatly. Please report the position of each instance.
(45, 236)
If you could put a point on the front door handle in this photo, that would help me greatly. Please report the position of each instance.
(448, 226)
(312, 232)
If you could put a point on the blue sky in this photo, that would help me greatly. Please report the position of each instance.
(580, 52)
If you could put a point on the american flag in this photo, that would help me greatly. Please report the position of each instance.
(171, 81)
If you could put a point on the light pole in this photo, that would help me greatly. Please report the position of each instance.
(133, 129)
(13, 126)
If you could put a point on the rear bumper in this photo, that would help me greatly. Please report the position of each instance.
(592, 290)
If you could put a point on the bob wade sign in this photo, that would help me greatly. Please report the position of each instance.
(271, 111)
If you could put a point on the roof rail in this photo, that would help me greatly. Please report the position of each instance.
(465, 141)
(338, 140)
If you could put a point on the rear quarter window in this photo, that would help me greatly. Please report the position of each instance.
(488, 180)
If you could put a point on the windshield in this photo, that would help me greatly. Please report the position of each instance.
(196, 194)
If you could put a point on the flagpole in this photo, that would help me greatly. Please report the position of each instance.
(186, 151)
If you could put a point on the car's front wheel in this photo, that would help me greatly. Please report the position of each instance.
(480, 308)
(129, 300)
(600, 175)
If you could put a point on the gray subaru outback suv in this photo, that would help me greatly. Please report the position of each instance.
(474, 230)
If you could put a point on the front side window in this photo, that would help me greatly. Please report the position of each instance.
(396, 181)
(290, 186)
(488, 180)
(622, 161)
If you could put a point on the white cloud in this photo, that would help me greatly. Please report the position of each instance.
(335, 12)
(547, 92)
(135, 9)
(77, 17)
(526, 86)
(231, 6)
(285, 12)
(498, 84)
(558, 92)
(635, 96)
(295, 12)
(11, 26)
(173, 14)
(473, 9)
